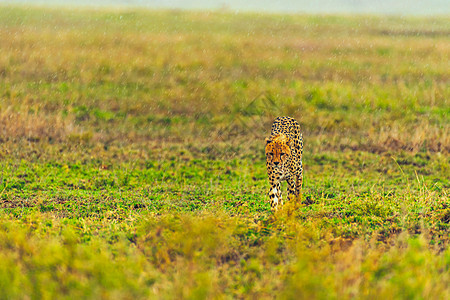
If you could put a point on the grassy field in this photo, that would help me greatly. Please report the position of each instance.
(132, 161)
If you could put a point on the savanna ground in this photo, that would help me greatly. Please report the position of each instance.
(132, 161)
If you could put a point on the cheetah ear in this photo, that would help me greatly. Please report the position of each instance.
(268, 140)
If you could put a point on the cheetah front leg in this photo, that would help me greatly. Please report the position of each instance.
(299, 181)
(292, 186)
(275, 194)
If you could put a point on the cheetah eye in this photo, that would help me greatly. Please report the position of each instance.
(271, 153)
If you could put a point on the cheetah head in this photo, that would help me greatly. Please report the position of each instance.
(278, 150)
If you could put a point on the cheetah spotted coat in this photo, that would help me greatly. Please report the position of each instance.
(284, 149)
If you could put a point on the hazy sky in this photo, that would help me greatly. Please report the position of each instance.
(403, 7)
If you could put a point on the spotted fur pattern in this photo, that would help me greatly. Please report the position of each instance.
(284, 149)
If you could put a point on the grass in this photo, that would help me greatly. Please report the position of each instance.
(132, 163)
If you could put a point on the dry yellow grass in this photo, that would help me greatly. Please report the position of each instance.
(374, 84)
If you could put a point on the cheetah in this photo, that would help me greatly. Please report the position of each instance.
(284, 149)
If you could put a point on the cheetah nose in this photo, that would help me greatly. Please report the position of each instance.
(276, 163)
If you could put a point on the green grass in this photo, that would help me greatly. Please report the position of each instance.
(132, 162)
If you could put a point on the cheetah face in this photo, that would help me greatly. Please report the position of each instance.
(278, 151)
